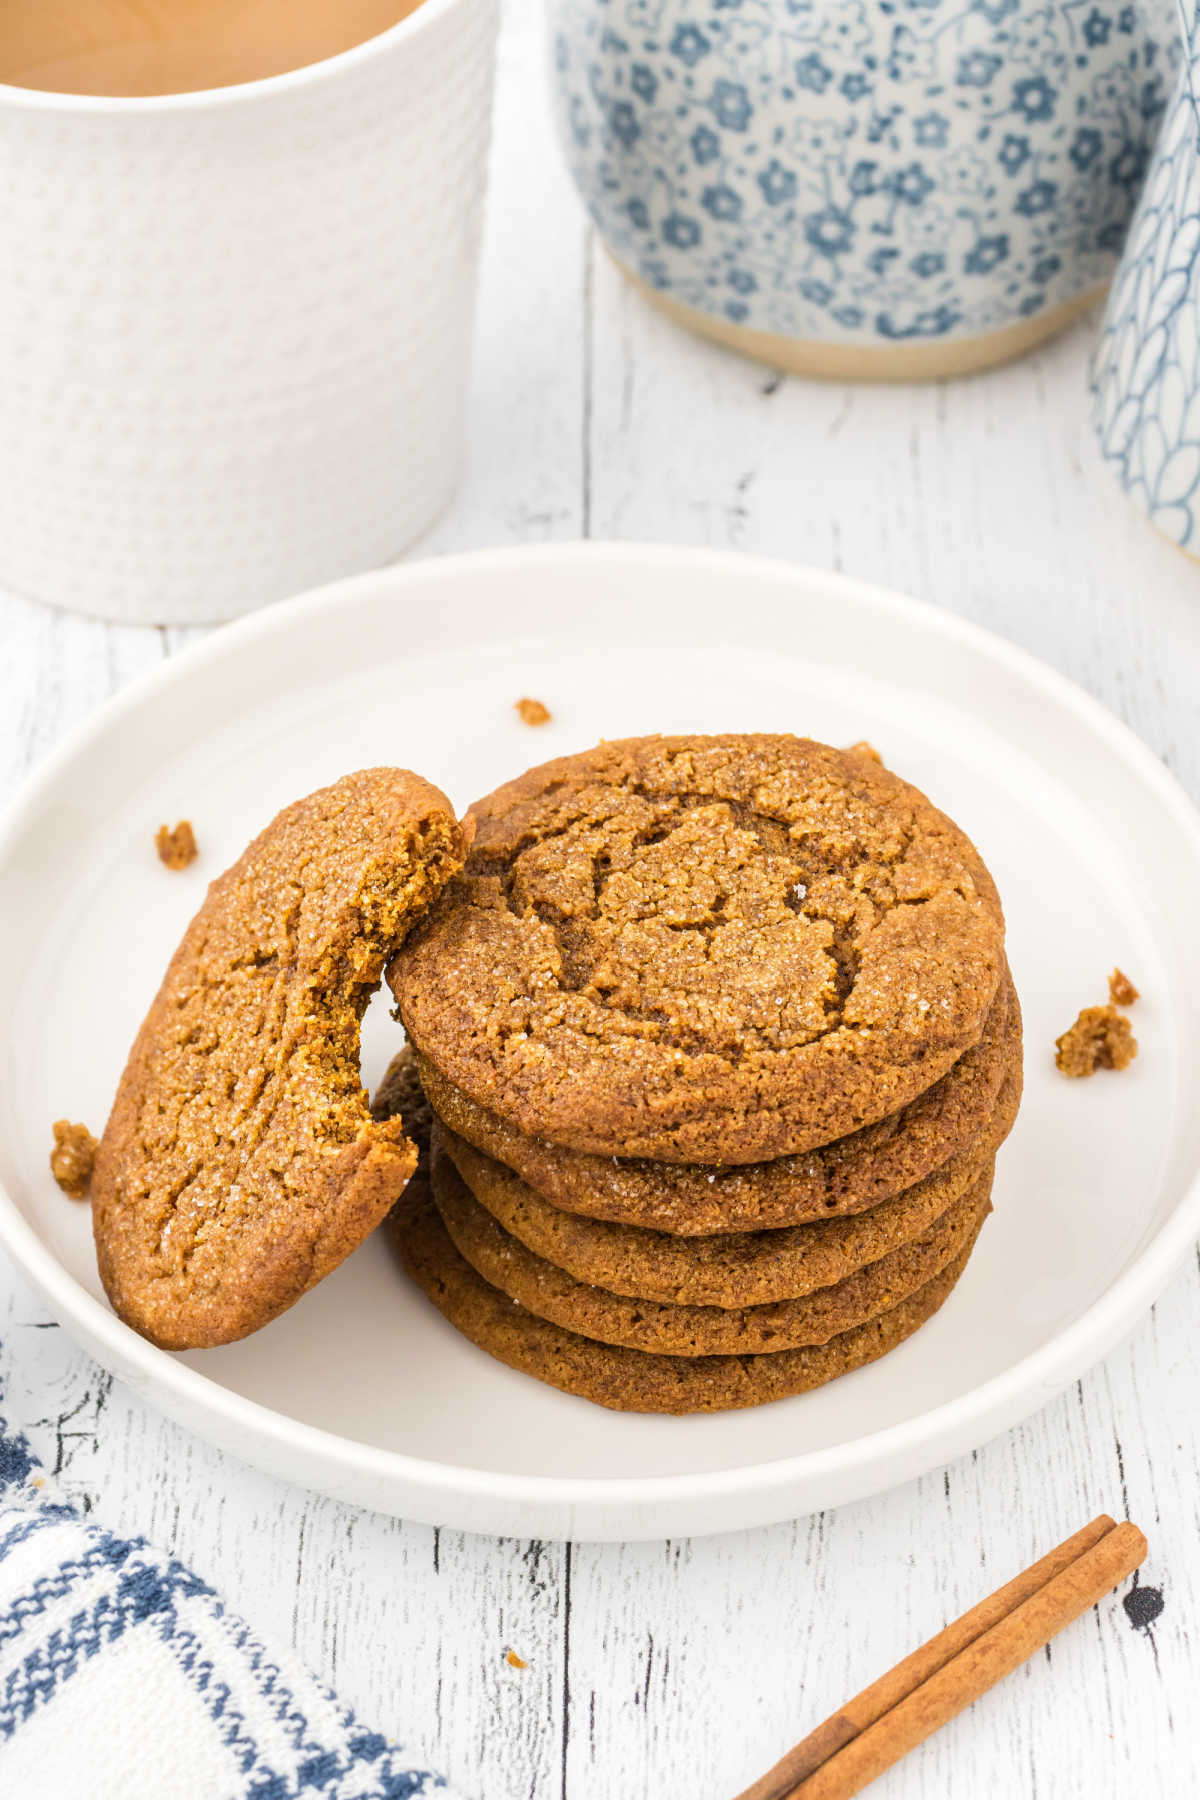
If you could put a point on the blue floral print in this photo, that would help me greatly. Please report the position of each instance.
(1034, 98)
(689, 45)
(977, 69)
(864, 170)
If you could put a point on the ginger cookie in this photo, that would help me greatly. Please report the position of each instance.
(241, 1164)
(704, 949)
(855, 1173)
(668, 1330)
(636, 1380)
(733, 1269)
(401, 1096)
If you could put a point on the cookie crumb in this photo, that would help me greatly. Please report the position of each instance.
(863, 748)
(514, 1661)
(533, 712)
(72, 1157)
(1121, 990)
(1100, 1038)
(176, 848)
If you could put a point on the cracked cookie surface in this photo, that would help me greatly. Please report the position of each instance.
(241, 1163)
(699, 949)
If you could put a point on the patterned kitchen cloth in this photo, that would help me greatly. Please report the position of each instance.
(124, 1677)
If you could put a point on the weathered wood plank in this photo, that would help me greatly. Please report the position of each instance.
(694, 1665)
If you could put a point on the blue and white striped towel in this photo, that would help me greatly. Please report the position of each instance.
(123, 1677)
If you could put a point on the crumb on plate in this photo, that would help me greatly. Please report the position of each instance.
(1121, 990)
(176, 848)
(514, 1661)
(534, 712)
(1100, 1038)
(72, 1157)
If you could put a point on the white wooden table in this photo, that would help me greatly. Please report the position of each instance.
(681, 1669)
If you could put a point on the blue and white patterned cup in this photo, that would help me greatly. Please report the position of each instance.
(1146, 372)
(864, 187)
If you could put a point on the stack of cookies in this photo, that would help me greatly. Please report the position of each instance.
(720, 1044)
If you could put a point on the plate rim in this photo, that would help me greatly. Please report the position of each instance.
(981, 1412)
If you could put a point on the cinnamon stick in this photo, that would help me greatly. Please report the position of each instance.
(910, 1702)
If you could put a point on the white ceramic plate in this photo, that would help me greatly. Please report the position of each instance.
(362, 1390)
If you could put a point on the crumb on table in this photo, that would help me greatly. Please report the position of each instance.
(1121, 990)
(72, 1157)
(514, 1661)
(1100, 1038)
(176, 848)
(863, 748)
(533, 712)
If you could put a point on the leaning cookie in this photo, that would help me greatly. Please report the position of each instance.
(637, 1380)
(241, 1163)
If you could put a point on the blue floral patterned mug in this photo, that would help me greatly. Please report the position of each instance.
(888, 188)
(1146, 374)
